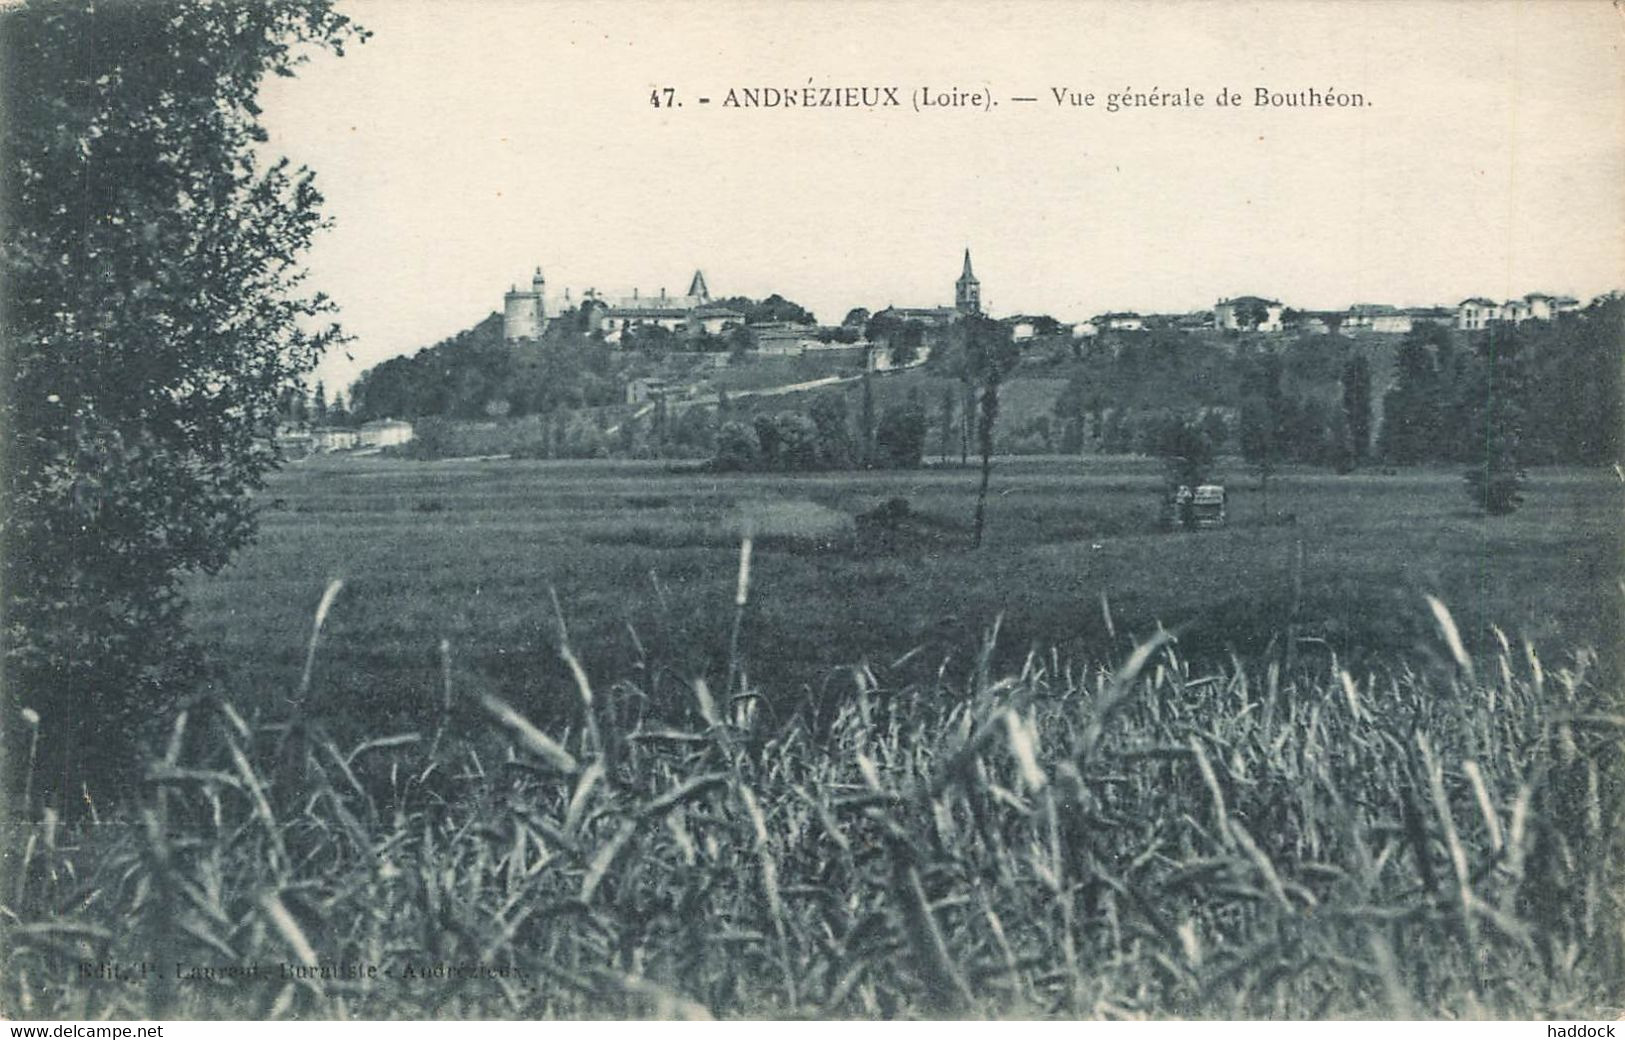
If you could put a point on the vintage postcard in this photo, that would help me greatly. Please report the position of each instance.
(856, 510)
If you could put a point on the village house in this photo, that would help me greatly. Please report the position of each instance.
(691, 314)
(1542, 307)
(1118, 321)
(1477, 312)
(781, 338)
(1248, 314)
(1024, 327)
(383, 433)
(930, 317)
(1377, 317)
(333, 438)
(1380, 318)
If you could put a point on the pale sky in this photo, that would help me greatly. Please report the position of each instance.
(469, 141)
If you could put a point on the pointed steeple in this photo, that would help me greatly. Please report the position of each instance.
(968, 291)
(697, 287)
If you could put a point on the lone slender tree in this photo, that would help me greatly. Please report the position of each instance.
(1495, 475)
(987, 355)
(1263, 422)
(1357, 405)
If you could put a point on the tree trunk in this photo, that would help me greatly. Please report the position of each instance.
(987, 415)
(981, 496)
(965, 410)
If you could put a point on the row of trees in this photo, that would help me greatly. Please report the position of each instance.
(1552, 387)
(301, 407)
(826, 436)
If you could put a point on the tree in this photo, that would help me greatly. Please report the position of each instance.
(774, 308)
(655, 340)
(338, 413)
(1251, 312)
(694, 431)
(866, 422)
(738, 447)
(741, 341)
(1216, 428)
(1411, 408)
(1263, 421)
(900, 436)
(1495, 479)
(828, 414)
(153, 309)
(945, 417)
(905, 344)
(788, 441)
(461, 376)
(1185, 450)
(1187, 456)
(1356, 383)
(1117, 431)
(987, 354)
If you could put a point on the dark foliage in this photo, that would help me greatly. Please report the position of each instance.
(900, 437)
(154, 311)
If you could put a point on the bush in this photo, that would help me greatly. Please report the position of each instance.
(1497, 490)
(900, 437)
(432, 438)
(738, 447)
(835, 447)
(789, 442)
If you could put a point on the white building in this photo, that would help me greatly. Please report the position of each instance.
(1477, 312)
(691, 314)
(383, 433)
(332, 438)
(1237, 314)
(1376, 317)
(1119, 321)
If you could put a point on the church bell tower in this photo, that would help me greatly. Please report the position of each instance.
(968, 291)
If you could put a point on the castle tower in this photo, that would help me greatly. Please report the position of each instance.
(524, 314)
(968, 291)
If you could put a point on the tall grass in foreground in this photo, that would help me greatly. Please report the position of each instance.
(1067, 840)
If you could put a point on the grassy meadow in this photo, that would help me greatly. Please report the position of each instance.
(874, 774)
(641, 560)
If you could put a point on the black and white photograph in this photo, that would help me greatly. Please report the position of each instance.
(861, 511)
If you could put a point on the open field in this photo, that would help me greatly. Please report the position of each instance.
(643, 563)
(1410, 829)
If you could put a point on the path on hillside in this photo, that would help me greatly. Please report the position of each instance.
(712, 400)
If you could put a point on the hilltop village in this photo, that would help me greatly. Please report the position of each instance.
(695, 315)
(654, 373)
